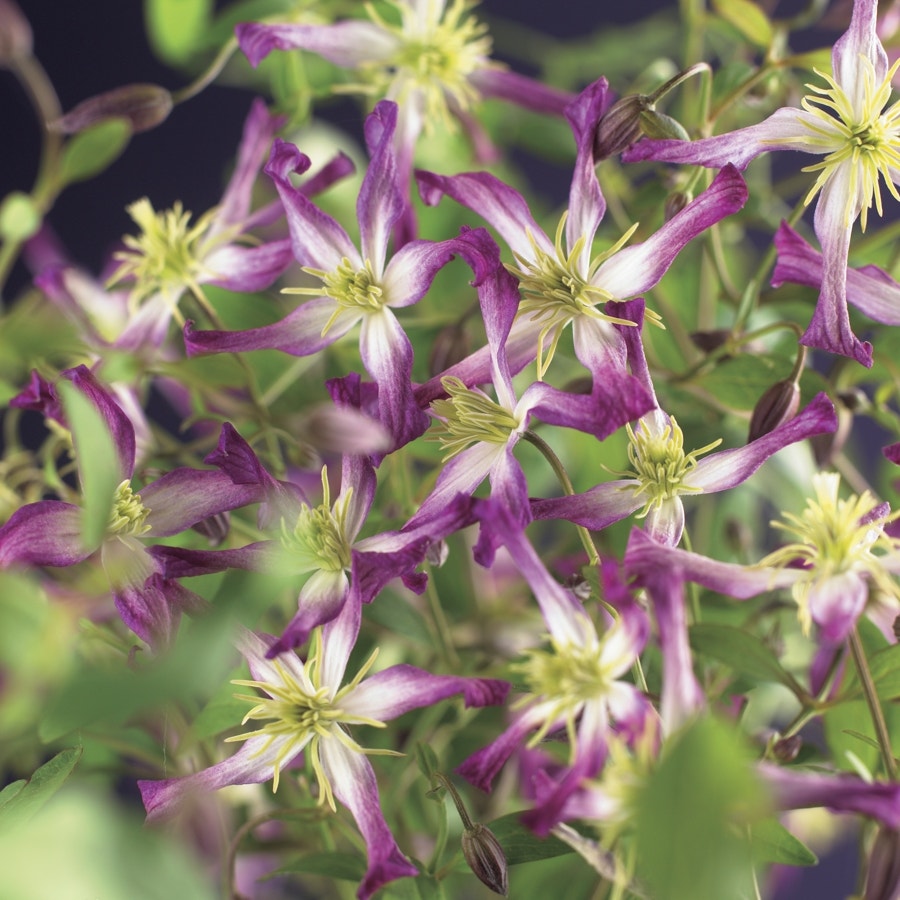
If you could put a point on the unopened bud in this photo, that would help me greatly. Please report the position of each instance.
(659, 126)
(144, 106)
(451, 345)
(342, 429)
(779, 404)
(896, 628)
(708, 341)
(214, 528)
(486, 859)
(854, 399)
(620, 127)
(675, 203)
(15, 33)
(826, 446)
(787, 748)
(883, 879)
(437, 553)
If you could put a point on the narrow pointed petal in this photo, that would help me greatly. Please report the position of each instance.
(46, 533)
(636, 269)
(248, 269)
(860, 40)
(399, 689)
(504, 208)
(153, 610)
(586, 203)
(830, 326)
(338, 639)
(786, 129)
(317, 239)
(792, 789)
(594, 509)
(353, 782)
(836, 603)
(259, 129)
(185, 496)
(346, 44)
(493, 81)
(299, 333)
(665, 522)
(321, 599)
(870, 289)
(180, 562)
(724, 470)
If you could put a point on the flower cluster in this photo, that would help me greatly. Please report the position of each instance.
(382, 470)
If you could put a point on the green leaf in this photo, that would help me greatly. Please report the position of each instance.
(687, 844)
(738, 383)
(11, 790)
(91, 151)
(177, 28)
(884, 667)
(773, 843)
(20, 217)
(743, 652)
(98, 463)
(396, 614)
(344, 866)
(45, 782)
(749, 20)
(521, 845)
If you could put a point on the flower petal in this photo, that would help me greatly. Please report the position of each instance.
(248, 269)
(492, 81)
(860, 40)
(46, 533)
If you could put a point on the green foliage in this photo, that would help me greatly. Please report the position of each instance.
(773, 843)
(21, 804)
(176, 28)
(20, 217)
(93, 150)
(749, 20)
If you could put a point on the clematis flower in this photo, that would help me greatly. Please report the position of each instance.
(356, 286)
(171, 255)
(435, 64)
(662, 472)
(560, 281)
(845, 122)
(830, 568)
(49, 532)
(306, 708)
(480, 434)
(869, 288)
(575, 684)
(319, 540)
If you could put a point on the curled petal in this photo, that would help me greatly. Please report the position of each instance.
(46, 533)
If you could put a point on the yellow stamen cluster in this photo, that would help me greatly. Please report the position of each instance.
(301, 711)
(351, 288)
(470, 417)
(441, 46)
(168, 255)
(835, 536)
(659, 463)
(318, 539)
(555, 289)
(128, 515)
(865, 138)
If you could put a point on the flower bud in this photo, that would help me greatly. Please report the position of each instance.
(659, 126)
(708, 341)
(144, 106)
(786, 749)
(342, 429)
(779, 404)
(620, 127)
(15, 33)
(451, 345)
(437, 553)
(213, 528)
(883, 879)
(675, 203)
(486, 858)
(826, 446)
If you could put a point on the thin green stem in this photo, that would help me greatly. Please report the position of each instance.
(875, 710)
(209, 76)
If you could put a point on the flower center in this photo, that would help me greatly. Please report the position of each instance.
(167, 256)
(128, 516)
(555, 289)
(835, 536)
(351, 288)
(318, 540)
(470, 417)
(299, 710)
(659, 463)
(865, 137)
(440, 49)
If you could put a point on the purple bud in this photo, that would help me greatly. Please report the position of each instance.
(676, 202)
(787, 749)
(213, 528)
(144, 106)
(779, 404)
(15, 33)
(883, 880)
(451, 345)
(437, 553)
(620, 127)
(486, 858)
(708, 341)
(342, 429)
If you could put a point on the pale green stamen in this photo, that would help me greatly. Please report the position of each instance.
(300, 712)
(437, 55)
(168, 255)
(318, 540)
(835, 536)
(555, 290)
(128, 515)
(351, 288)
(660, 465)
(470, 417)
(868, 139)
